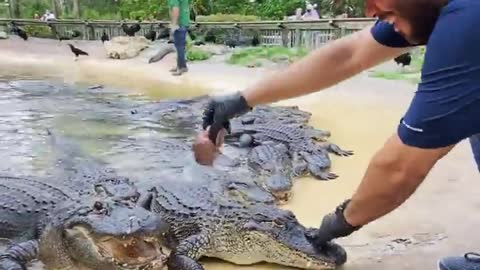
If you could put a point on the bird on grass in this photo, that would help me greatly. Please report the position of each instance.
(403, 59)
(104, 37)
(255, 40)
(76, 51)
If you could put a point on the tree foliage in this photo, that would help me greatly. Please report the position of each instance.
(158, 9)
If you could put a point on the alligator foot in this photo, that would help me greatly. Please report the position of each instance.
(335, 149)
(182, 262)
(16, 256)
(321, 175)
(7, 263)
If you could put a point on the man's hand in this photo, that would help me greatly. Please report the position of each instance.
(220, 110)
(334, 225)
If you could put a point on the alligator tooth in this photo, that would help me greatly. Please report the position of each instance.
(124, 265)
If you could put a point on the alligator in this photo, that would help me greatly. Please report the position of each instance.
(204, 223)
(304, 144)
(85, 175)
(262, 114)
(68, 231)
(274, 168)
(186, 114)
(79, 215)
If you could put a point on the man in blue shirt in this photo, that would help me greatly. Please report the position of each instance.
(444, 110)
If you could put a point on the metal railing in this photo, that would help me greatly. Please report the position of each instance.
(306, 34)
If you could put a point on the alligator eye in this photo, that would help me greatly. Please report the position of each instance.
(278, 223)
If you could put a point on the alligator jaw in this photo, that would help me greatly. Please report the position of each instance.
(127, 252)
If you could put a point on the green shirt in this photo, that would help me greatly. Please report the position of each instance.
(184, 6)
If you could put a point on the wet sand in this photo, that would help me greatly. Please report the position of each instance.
(361, 113)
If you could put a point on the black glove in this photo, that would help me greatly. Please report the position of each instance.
(220, 110)
(334, 225)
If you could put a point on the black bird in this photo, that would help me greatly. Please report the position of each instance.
(131, 30)
(19, 31)
(255, 40)
(163, 33)
(198, 42)
(151, 35)
(210, 37)
(76, 51)
(231, 43)
(104, 37)
(76, 33)
(403, 59)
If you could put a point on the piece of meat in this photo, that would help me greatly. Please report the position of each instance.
(204, 150)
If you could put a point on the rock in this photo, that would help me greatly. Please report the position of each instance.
(3, 35)
(281, 59)
(124, 47)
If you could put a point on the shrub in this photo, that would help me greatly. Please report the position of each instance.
(197, 54)
(39, 31)
(227, 18)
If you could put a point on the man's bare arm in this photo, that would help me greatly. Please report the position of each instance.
(174, 15)
(335, 62)
(392, 176)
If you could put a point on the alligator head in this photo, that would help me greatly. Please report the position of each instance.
(102, 234)
(279, 238)
(118, 187)
(280, 186)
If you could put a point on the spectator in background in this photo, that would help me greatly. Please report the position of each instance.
(180, 21)
(311, 13)
(51, 16)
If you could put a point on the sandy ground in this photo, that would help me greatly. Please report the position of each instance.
(361, 113)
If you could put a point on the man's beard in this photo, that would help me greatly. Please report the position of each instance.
(422, 16)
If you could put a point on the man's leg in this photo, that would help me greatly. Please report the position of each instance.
(475, 143)
(470, 260)
(180, 38)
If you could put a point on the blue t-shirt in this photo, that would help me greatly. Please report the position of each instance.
(446, 105)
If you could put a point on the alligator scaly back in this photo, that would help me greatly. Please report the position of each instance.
(205, 222)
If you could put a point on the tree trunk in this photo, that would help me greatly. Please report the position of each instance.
(76, 9)
(14, 8)
(56, 9)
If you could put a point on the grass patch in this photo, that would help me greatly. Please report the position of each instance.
(255, 56)
(412, 74)
(412, 77)
(197, 54)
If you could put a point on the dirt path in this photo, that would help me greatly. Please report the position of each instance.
(361, 113)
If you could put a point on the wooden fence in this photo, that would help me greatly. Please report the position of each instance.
(306, 34)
